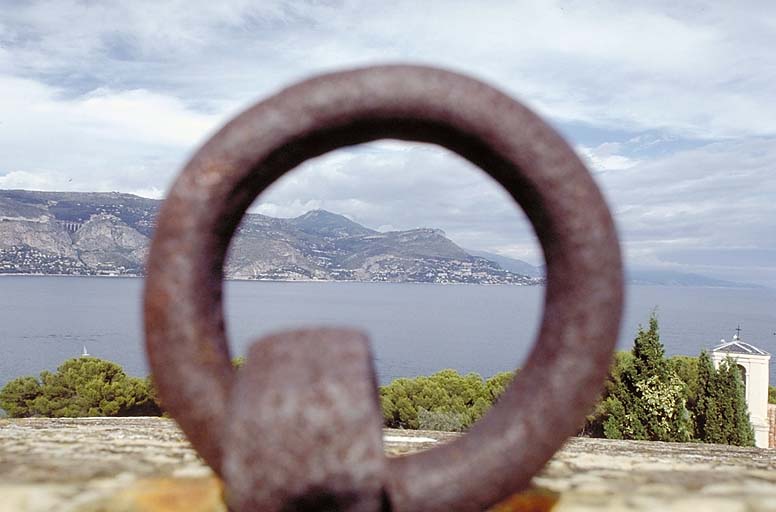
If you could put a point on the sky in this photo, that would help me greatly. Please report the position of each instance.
(671, 104)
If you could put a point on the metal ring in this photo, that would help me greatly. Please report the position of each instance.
(184, 322)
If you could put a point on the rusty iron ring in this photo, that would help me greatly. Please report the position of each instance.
(559, 382)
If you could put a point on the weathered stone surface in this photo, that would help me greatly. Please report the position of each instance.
(599, 474)
(134, 464)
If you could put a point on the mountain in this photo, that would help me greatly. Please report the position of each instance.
(643, 276)
(323, 223)
(110, 233)
(511, 264)
(634, 275)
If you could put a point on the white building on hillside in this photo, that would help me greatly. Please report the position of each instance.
(754, 364)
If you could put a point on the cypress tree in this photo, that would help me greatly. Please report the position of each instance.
(705, 404)
(736, 428)
(648, 351)
(721, 414)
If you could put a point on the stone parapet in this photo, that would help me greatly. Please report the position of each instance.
(145, 464)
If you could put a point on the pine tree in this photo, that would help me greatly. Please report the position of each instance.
(444, 400)
(17, 397)
(85, 386)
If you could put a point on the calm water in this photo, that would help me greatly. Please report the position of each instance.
(415, 329)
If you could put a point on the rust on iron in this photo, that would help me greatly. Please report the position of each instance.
(218, 409)
(322, 441)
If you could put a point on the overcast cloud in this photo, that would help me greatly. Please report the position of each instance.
(672, 106)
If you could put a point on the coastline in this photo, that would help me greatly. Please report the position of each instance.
(326, 281)
(138, 276)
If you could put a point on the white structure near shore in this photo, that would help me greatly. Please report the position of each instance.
(754, 364)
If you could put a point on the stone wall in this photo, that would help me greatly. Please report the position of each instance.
(145, 464)
(771, 426)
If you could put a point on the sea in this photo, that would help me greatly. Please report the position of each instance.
(415, 329)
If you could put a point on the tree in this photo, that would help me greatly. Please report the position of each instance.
(706, 401)
(85, 386)
(731, 402)
(648, 352)
(438, 420)
(658, 405)
(686, 368)
(644, 398)
(147, 401)
(499, 383)
(608, 417)
(653, 398)
(720, 410)
(445, 400)
(18, 395)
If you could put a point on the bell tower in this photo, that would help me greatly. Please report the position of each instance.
(754, 364)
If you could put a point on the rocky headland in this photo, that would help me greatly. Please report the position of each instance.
(74, 233)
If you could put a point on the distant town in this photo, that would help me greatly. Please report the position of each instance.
(110, 233)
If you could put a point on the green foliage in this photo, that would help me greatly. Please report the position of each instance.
(438, 420)
(149, 403)
(686, 368)
(706, 415)
(648, 352)
(663, 412)
(731, 402)
(497, 384)
(85, 386)
(677, 399)
(443, 401)
(772, 394)
(603, 421)
(17, 397)
(644, 398)
(721, 414)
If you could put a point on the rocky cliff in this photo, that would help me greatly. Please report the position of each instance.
(109, 234)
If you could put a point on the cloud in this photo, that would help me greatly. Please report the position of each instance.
(710, 202)
(379, 183)
(690, 211)
(606, 157)
(105, 140)
(702, 72)
(671, 105)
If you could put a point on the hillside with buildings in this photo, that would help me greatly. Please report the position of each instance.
(110, 233)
